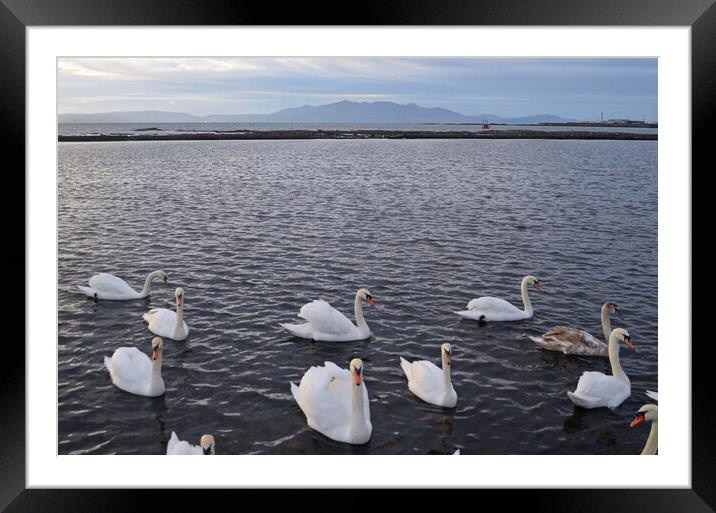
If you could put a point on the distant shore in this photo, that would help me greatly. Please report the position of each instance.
(243, 135)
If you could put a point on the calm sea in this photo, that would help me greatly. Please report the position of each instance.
(254, 229)
(169, 128)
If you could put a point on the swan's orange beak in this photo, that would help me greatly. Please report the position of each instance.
(155, 353)
(370, 300)
(627, 341)
(180, 301)
(356, 378)
(538, 286)
(638, 419)
(448, 360)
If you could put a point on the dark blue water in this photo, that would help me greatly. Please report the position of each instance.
(170, 128)
(252, 230)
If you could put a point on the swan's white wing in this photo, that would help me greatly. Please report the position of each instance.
(326, 319)
(598, 385)
(336, 371)
(130, 366)
(491, 305)
(652, 395)
(184, 448)
(162, 321)
(426, 380)
(173, 440)
(325, 398)
(111, 285)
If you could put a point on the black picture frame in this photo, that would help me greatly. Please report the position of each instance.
(17, 15)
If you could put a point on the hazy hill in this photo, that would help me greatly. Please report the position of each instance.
(142, 116)
(340, 112)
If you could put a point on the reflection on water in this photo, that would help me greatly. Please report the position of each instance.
(254, 229)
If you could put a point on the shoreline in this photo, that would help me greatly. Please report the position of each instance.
(247, 135)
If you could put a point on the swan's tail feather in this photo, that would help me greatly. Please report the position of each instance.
(405, 364)
(172, 443)
(108, 363)
(652, 395)
(473, 315)
(87, 291)
(583, 401)
(297, 330)
(540, 341)
(296, 394)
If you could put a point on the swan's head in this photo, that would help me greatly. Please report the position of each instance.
(156, 347)
(207, 444)
(446, 350)
(532, 280)
(179, 294)
(623, 336)
(357, 370)
(646, 412)
(365, 294)
(613, 309)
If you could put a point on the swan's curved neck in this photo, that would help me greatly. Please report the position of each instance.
(178, 325)
(446, 375)
(156, 369)
(525, 296)
(653, 441)
(617, 370)
(357, 409)
(148, 283)
(358, 307)
(606, 323)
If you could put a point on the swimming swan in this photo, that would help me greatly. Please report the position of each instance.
(496, 309)
(325, 323)
(176, 446)
(335, 402)
(428, 382)
(108, 286)
(574, 341)
(649, 412)
(133, 371)
(167, 323)
(594, 389)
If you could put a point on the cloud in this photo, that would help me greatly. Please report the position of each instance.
(575, 87)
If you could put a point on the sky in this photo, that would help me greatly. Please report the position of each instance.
(571, 88)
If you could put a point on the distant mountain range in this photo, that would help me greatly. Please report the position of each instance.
(340, 112)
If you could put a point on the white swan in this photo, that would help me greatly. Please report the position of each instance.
(133, 371)
(649, 412)
(573, 341)
(652, 395)
(108, 286)
(496, 309)
(176, 446)
(456, 453)
(594, 389)
(430, 383)
(168, 323)
(335, 402)
(328, 324)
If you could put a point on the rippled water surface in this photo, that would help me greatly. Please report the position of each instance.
(254, 229)
(167, 128)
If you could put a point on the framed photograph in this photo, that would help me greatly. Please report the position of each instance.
(482, 218)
